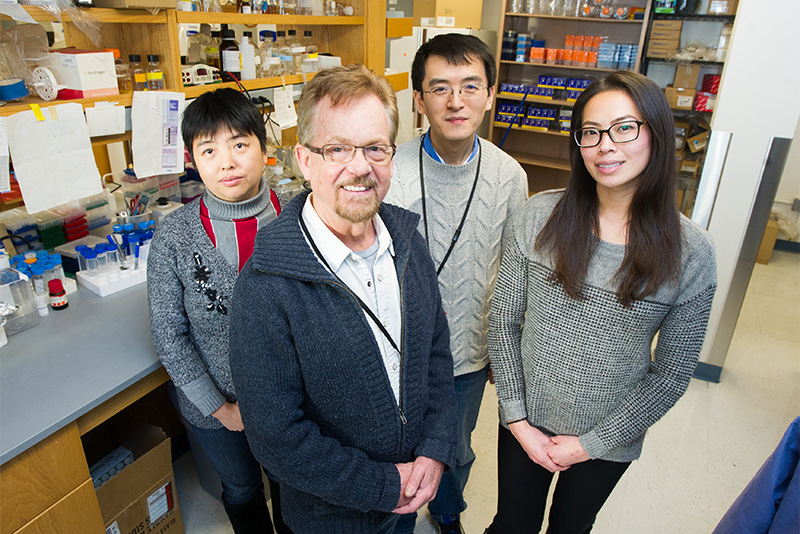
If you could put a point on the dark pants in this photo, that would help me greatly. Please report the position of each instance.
(523, 485)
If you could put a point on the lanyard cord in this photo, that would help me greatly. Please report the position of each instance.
(361, 303)
(457, 233)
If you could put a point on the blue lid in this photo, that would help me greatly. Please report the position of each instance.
(81, 247)
(55, 258)
(128, 227)
(19, 258)
(41, 254)
(89, 254)
(117, 228)
(100, 248)
(37, 269)
(142, 225)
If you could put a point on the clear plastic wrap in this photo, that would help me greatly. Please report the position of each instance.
(88, 24)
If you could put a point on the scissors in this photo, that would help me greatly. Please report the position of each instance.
(133, 204)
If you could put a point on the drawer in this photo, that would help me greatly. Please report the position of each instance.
(77, 512)
(37, 478)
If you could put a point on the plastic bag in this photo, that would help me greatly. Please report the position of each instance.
(88, 24)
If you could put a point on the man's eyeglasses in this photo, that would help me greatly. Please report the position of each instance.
(467, 91)
(376, 154)
(621, 132)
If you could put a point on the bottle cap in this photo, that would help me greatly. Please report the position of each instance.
(228, 34)
(55, 258)
(89, 254)
(55, 285)
(128, 227)
(100, 248)
(307, 33)
(114, 51)
(117, 228)
(152, 58)
(247, 34)
(134, 58)
(292, 32)
(37, 269)
(281, 33)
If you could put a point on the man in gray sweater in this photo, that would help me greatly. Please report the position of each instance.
(466, 190)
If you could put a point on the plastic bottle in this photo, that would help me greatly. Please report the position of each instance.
(124, 83)
(311, 63)
(102, 256)
(138, 74)
(231, 59)
(285, 53)
(248, 53)
(58, 297)
(91, 261)
(80, 249)
(155, 75)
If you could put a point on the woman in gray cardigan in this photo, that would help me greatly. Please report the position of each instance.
(196, 256)
(589, 275)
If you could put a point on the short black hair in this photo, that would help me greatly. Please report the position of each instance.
(456, 49)
(222, 109)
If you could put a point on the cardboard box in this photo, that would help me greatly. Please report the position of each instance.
(698, 142)
(667, 25)
(679, 97)
(142, 498)
(659, 33)
(85, 73)
(659, 53)
(135, 4)
(686, 75)
(672, 44)
(722, 7)
(768, 242)
(448, 13)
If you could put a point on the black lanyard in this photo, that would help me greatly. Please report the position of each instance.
(361, 303)
(457, 233)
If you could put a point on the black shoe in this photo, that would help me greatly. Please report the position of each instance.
(449, 528)
(251, 517)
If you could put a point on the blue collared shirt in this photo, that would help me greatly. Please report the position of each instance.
(428, 147)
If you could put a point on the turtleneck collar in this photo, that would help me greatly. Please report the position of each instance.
(223, 210)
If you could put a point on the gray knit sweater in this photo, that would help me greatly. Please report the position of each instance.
(189, 287)
(468, 277)
(584, 367)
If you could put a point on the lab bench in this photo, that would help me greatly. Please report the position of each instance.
(58, 381)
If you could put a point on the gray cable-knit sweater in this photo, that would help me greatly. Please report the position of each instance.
(468, 277)
(189, 287)
(584, 367)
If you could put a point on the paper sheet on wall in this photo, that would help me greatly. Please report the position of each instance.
(285, 114)
(5, 178)
(156, 137)
(105, 119)
(52, 155)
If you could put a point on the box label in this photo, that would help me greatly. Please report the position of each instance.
(446, 22)
(427, 21)
(159, 503)
(684, 101)
(113, 528)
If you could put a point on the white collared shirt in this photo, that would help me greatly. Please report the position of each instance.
(377, 287)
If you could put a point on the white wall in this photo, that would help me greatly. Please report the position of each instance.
(752, 72)
(788, 191)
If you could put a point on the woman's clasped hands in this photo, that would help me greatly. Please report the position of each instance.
(555, 453)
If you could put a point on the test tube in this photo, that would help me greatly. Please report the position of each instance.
(113, 258)
(37, 275)
(80, 249)
(102, 258)
(59, 267)
(91, 261)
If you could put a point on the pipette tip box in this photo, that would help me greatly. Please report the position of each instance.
(105, 283)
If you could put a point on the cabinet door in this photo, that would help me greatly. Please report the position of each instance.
(77, 512)
(40, 476)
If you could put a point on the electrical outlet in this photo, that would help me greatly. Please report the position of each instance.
(796, 205)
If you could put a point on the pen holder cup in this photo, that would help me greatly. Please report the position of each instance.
(148, 215)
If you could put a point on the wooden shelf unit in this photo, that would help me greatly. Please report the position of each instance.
(545, 154)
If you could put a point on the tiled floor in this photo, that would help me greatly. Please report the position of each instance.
(696, 460)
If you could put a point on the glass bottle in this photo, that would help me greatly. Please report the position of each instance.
(286, 7)
(298, 52)
(303, 7)
(124, 83)
(311, 63)
(138, 74)
(244, 7)
(229, 54)
(155, 75)
(270, 64)
(213, 6)
(212, 50)
(285, 53)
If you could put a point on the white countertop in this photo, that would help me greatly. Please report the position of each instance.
(73, 361)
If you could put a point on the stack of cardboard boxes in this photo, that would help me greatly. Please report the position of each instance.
(681, 93)
(665, 39)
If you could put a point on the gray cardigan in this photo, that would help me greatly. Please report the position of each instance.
(467, 280)
(585, 367)
(189, 286)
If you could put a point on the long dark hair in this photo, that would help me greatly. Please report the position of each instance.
(653, 250)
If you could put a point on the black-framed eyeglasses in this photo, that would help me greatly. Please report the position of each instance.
(339, 153)
(467, 90)
(620, 132)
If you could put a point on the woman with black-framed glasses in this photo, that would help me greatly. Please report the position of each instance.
(589, 276)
